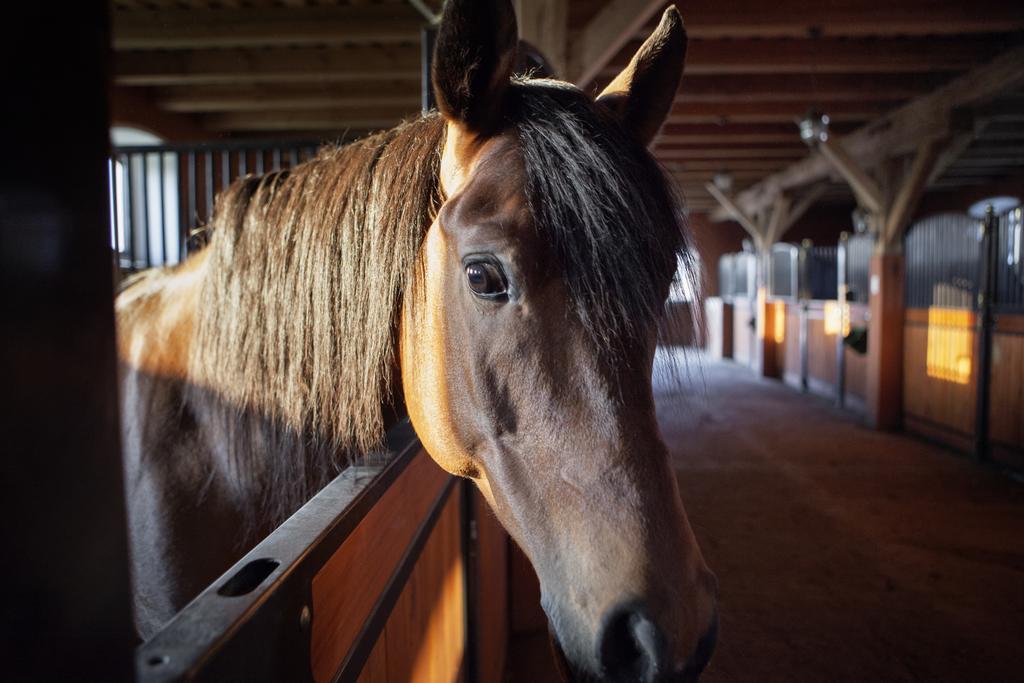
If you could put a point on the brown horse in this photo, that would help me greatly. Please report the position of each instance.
(497, 271)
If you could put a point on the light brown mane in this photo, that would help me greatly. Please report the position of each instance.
(293, 359)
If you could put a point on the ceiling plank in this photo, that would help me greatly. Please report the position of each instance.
(835, 55)
(903, 130)
(234, 97)
(803, 88)
(604, 35)
(175, 29)
(692, 153)
(369, 118)
(771, 112)
(850, 18)
(300, 65)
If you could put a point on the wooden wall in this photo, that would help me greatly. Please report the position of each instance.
(821, 351)
(718, 321)
(857, 363)
(424, 637)
(492, 593)
(1006, 417)
(939, 373)
(791, 365)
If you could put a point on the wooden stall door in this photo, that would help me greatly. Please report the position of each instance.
(1006, 418)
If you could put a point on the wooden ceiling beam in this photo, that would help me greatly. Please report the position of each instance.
(231, 97)
(803, 88)
(176, 29)
(367, 118)
(829, 56)
(299, 65)
(604, 35)
(720, 134)
(771, 112)
(851, 18)
(901, 131)
(693, 153)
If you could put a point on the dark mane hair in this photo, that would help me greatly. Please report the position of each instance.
(295, 331)
(294, 351)
(604, 204)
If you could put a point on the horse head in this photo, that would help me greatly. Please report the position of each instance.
(528, 337)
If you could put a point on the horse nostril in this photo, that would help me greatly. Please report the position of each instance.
(631, 646)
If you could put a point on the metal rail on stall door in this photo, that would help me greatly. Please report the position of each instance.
(253, 623)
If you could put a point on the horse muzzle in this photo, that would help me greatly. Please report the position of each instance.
(631, 648)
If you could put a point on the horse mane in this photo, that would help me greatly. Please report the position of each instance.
(295, 336)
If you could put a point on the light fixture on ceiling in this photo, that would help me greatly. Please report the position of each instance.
(861, 224)
(723, 181)
(814, 128)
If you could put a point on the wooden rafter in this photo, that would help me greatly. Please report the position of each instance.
(838, 56)
(800, 88)
(604, 35)
(867, 191)
(167, 29)
(899, 132)
(244, 97)
(299, 65)
(909, 192)
(851, 18)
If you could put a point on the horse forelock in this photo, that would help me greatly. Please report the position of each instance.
(604, 204)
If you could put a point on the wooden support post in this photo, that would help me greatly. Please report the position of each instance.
(885, 342)
(607, 33)
(745, 221)
(545, 24)
(868, 194)
(908, 194)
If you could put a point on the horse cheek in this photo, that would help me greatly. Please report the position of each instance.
(423, 356)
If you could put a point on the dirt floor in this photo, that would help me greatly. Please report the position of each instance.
(842, 554)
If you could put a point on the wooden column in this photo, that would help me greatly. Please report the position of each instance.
(66, 612)
(885, 342)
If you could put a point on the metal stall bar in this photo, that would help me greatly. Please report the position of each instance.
(986, 294)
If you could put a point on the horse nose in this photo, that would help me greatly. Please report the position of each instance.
(632, 647)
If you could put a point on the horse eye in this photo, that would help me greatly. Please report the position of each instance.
(485, 279)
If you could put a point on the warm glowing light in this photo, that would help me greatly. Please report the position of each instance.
(779, 322)
(950, 345)
(833, 318)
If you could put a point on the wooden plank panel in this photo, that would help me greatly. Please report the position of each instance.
(346, 588)
(492, 564)
(425, 635)
(938, 386)
(791, 372)
(821, 356)
(1006, 419)
(857, 363)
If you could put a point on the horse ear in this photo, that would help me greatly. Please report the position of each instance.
(642, 95)
(474, 57)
